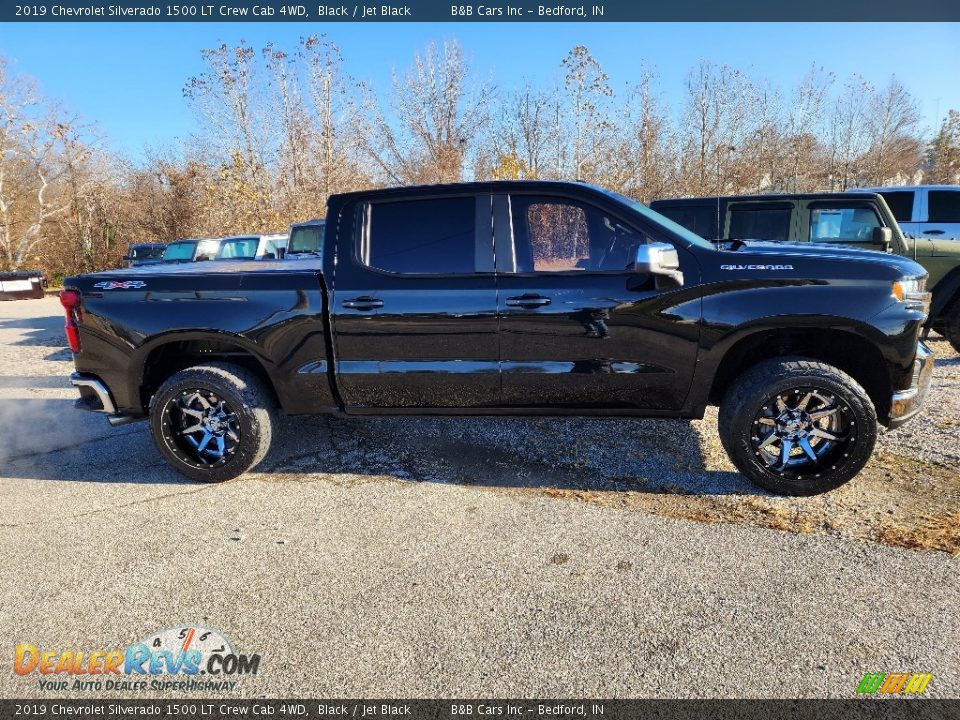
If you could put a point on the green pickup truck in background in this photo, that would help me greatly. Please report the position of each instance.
(860, 220)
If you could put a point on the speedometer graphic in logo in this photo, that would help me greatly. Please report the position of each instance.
(190, 638)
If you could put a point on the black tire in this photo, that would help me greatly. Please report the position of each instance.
(239, 421)
(772, 408)
(951, 326)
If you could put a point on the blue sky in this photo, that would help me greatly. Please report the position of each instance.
(127, 78)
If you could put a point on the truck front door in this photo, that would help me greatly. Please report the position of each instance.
(579, 329)
(414, 304)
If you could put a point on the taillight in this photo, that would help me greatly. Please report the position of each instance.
(70, 299)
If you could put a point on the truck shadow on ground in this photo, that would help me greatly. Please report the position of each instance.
(46, 439)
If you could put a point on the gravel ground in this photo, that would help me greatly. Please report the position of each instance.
(473, 557)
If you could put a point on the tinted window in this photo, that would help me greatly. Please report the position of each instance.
(422, 236)
(901, 204)
(944, 205)
(700, 219)
(760, 223)
(842, 224)
(179, 251)
(555, 235)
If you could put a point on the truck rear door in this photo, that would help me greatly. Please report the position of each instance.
(414, 304)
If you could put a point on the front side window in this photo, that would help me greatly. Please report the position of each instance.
(900, 203)
(843, 224)
(556, 235)
(944, 206)
(760, 223)
(433, 236)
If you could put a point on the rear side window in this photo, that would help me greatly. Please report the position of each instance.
(843, 224)
(901, 204)
(433, 236)
(760, 223)
(944, 206)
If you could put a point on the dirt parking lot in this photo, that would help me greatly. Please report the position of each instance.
(472, 557)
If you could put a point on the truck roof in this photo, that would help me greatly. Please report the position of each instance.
(469, 187)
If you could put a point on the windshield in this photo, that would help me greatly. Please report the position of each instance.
(180, 251)
(240, 248)
(662, 220)
(144, 252)
(306, 239)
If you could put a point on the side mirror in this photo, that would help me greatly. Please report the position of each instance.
(659, 259)
(882, 236)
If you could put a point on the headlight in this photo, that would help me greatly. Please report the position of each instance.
(912, 292)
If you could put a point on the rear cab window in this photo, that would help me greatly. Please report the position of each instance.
(433, 236)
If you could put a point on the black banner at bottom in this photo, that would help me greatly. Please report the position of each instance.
(207, 709)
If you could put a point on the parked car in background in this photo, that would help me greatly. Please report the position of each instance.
(306, 239)
(183, 251)
(930, 211)
(21, 285)
(144, 254)
(253, 247)
(861, 220)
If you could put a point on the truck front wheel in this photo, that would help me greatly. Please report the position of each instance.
(797, 427)
(212, 422)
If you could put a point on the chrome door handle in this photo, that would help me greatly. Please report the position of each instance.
(528, 301)
(363, 303)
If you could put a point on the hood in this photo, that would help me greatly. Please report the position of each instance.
(781, 253)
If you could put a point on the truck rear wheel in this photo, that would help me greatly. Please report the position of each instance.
(797, 427)
(951, 326)
(212, 422)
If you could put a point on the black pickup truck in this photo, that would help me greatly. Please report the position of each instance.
(512, 298)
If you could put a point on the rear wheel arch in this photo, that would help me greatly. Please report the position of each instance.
(166, 357)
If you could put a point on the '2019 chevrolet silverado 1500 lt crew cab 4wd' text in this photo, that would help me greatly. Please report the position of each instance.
(512, 298)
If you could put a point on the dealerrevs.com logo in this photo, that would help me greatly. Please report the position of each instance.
(186, 658)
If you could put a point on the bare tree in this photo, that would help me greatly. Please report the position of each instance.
(439, 111)
(587, 89)
(892, 124)
(30, 138)
(848, 135)
(943, 151)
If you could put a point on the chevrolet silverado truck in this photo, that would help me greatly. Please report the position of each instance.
(856, 218)
(512, 298)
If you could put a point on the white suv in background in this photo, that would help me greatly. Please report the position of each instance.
(926, 211)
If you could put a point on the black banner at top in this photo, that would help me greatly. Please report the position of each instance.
(474, 11)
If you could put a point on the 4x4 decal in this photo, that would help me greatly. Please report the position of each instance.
(120, 285)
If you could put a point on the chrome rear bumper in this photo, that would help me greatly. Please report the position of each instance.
(95, 396)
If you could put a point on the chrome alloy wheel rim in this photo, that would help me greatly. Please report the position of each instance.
(803, 432)
(200, 428)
